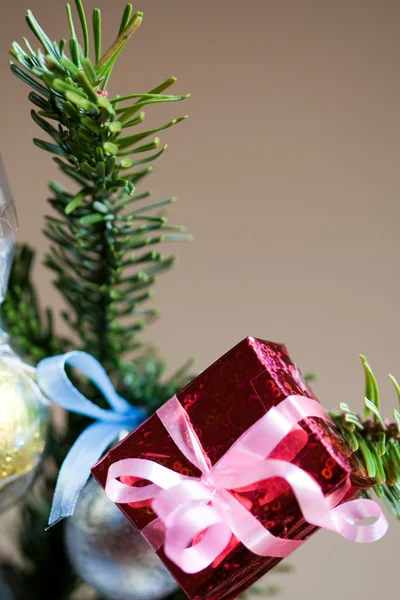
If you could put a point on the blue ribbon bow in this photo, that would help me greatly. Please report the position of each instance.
(90, 445)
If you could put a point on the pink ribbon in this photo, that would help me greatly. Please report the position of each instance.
(189, 506)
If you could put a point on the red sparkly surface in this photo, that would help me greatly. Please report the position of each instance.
(222, 403)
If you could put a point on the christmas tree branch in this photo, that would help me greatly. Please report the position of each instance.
(96, 237)
(375, 440)
(31, 330)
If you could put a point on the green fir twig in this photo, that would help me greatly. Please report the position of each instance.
(96, 237)
(375, 440)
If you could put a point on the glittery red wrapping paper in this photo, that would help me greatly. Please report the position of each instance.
(222, 403)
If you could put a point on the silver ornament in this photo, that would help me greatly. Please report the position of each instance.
(110, 554)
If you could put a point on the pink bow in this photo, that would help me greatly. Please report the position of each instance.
(187, 506)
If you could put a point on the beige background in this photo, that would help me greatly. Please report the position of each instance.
(287, 174)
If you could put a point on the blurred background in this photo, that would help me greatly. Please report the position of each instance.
(287, 175)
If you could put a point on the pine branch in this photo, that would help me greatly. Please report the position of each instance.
(94, 233)
(375, 440)
(31, 331)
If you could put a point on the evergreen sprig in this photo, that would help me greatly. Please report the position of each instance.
(105, 234)
(32, 331)
(375, 440)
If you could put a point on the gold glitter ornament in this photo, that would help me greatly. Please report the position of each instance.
(23, 426)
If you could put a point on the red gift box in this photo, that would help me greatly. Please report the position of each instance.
(222, 404)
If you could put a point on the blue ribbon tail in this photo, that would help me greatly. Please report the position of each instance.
(75, 470)
(53, 380)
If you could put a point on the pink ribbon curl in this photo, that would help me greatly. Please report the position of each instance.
(189, 506)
